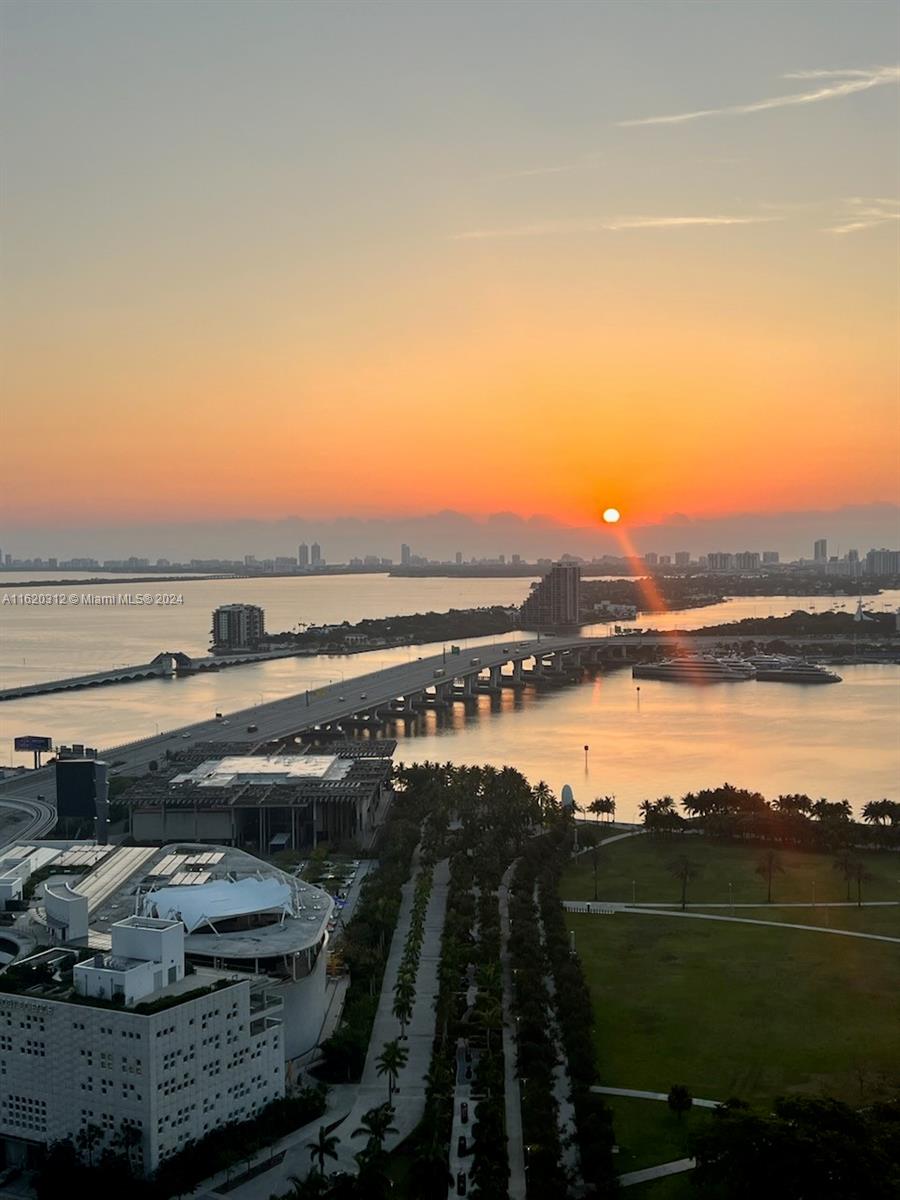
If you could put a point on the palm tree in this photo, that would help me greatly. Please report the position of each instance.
(391, 1062)
(376, 1125)
(861, 876)
(680, 1099)
(846, 863)
(87, 1139)
(325, 1146)
(128, 1137)
(769, 865)
(402, 1010)
(684, 871)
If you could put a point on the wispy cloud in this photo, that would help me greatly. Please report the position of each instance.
(609, 225)
(866, 213)
(587, 163)
(834, 84)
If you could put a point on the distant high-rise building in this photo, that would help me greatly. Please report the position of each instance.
(238, 627)
(820, 551)
(721, 561)
(748, 560)
(405, 555)
(651, 558)
(249, 560)
(555, 602)
(316, 559)
(770, 556)
(853, 556)
(883, 562)
(303, 555)
(459, 558)
(682, 558)
(665, 560)
(516, 559)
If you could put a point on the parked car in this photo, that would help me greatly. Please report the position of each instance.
(464, 1113)
(462, 1146)
(461, 1184)
(252, 728)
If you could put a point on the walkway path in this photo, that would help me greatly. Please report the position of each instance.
(511, 1091)
(670, 1168)
(562, 1083)
(595, 908)
(409, 1097)
(348, 1102)
(636, 1095)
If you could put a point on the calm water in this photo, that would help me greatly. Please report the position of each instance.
(839, 741)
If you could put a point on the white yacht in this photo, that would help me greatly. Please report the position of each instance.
(796, 671)
(694, 668)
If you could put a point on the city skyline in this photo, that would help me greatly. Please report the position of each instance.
(644, 255)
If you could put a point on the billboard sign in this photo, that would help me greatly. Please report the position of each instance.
(31, 742)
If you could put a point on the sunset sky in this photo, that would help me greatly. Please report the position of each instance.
(265, 259)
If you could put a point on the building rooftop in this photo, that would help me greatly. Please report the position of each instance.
(259, 770)
(231, 904)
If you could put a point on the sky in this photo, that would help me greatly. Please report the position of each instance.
(380, 260)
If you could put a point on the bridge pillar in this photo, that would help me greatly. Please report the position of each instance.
(496, 677)
(517, 670)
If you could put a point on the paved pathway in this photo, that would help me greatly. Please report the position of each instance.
(600, 908)
(670, 1168)
(348, 1102)
(512, 1095)
(409, 1099)
(562, 1084)
(612, 1091)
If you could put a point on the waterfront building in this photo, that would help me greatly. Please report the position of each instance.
(820, 551)
(405, 554)
(682, 558)
(770, 557)
(289, 801)
(303, 555)
(721, 561)
(651, 558)
(316, 559)
(237, 627)
(555, 602)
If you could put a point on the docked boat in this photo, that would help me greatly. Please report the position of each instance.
(796, 671)
(694, 668)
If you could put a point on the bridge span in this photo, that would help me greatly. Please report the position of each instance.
(166, 664)
(367, 700)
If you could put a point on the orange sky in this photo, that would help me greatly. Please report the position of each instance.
(248, 301)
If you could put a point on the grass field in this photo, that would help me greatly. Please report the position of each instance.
(648, 1132)
(857, 920)
(638, 868)
(731, 1009)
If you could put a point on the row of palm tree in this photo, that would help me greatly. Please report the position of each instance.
(794, 819)
(405, 985)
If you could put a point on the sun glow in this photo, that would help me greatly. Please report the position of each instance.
(611, 516)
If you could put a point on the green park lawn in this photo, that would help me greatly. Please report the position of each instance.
(639, 868)
(731, 1009)
(648, 1132)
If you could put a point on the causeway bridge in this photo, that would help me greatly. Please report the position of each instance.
(363, 701)
(166, 664)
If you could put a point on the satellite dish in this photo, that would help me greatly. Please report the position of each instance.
(566, 797)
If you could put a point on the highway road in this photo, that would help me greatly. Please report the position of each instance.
(33, 792)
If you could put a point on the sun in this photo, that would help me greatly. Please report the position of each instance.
(611, 516)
